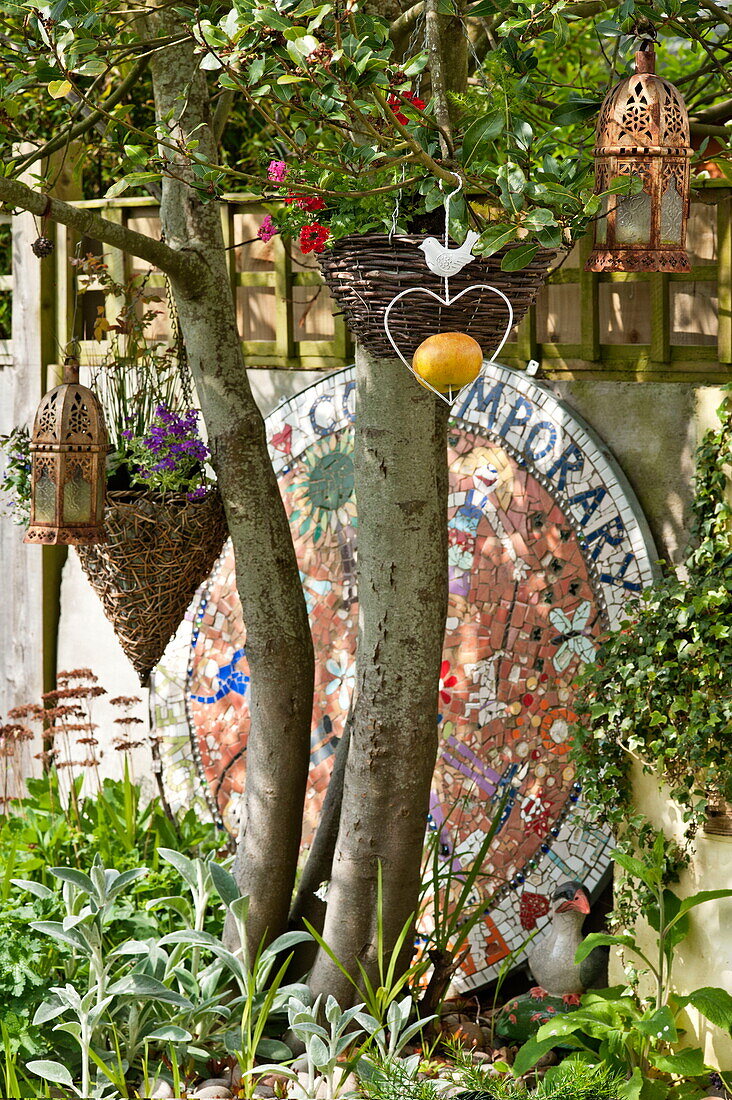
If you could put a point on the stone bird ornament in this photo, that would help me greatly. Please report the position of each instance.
(552, 959)
(560, 981)
(445, 261)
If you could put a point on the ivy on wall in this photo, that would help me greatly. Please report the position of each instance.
(660, 692)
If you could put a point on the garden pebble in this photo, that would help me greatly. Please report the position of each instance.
(264, 1091)
(161, 1089)
(214, 1092)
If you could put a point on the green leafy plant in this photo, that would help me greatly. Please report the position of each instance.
(625, 1031)
(16, 480)
(658, 694)
(261, 998)
(452, 903)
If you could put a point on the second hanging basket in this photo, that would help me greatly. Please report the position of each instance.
(364, 273)
(159, 550)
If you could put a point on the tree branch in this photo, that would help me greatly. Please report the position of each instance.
(403, 25)
(87, 123)
(184, 267)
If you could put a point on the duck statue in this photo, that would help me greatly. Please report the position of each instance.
(560, 981)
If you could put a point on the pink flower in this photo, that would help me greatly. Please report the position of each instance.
(277, 171)
(267, 229)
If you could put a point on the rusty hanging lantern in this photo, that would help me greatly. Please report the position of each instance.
(68, 476)
(643, 131)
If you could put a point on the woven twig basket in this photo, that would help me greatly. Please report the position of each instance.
(159, 549)
(364, 273)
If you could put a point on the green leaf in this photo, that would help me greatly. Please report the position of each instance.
(170, 1033)
(63, 935)
(35, 888)
(182, 864)
(273, 1049)
(51, 1071)
(516, 258)
(601, 939)
(699, 899)
(713, 1003)
(225, 883)
(530, 1053)
(78, 878)
(49, 1010)
(57, 89)
(483, 130)
(577, 109)
(685, 1063)
(494, 237)
(636, 868)
(146, 987)
(631, 1090)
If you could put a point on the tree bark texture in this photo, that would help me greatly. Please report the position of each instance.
(401, 480)
(279, 645)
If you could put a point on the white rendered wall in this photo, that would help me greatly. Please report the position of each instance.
(86, 638)
(705, 956)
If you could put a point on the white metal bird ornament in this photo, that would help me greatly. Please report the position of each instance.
(444, 261)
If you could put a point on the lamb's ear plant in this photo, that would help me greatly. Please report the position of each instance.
(260, 994)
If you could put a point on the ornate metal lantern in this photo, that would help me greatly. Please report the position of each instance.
(643, 130)
(68, 476)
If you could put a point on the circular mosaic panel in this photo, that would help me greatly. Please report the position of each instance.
(546, 543)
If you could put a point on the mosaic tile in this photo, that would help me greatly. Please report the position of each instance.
(545, 546)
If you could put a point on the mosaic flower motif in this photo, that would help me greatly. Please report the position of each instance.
(447, 680)
(343, 671)
(322, 494)
(573, 639)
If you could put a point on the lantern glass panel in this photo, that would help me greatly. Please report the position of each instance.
(601, 223)
(633, 219)
(672, 209)
(44, 498)
(101, 478)
(77, 497)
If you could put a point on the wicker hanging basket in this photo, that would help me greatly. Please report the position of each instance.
(159, 549)
(365, 272)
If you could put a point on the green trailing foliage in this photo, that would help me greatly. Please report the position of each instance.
(658, 693)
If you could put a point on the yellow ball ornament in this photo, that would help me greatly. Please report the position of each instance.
(448, 360)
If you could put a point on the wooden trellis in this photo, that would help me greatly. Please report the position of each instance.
(284, 311)
(625, 326)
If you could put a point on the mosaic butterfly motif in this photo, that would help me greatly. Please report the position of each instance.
(572, 639)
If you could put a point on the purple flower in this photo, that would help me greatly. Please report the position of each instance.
(127, 434)
(196, 494)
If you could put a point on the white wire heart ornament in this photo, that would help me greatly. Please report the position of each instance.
(445, 261)
(452, 395)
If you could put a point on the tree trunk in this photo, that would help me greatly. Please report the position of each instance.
(401, 479)
(279, 645)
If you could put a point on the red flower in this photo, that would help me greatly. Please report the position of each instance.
(395, 101)
(313, 237)
(311, 203)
